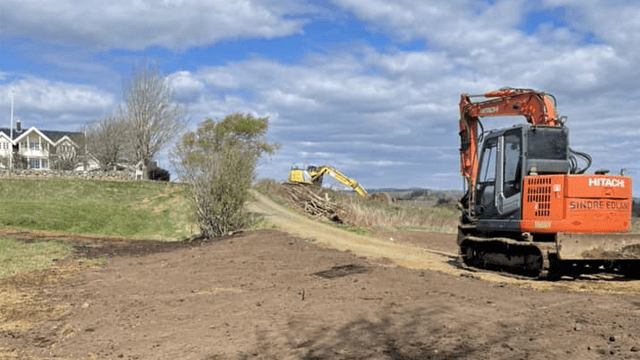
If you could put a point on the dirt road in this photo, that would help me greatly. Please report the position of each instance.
(415, 250)
(315, 293)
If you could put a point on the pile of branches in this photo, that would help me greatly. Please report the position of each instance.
(313, 201)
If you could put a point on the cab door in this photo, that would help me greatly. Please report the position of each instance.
(486, 182)
(509, 185)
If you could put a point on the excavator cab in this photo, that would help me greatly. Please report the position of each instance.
(498, 176)
(314, 177)
(505, 156)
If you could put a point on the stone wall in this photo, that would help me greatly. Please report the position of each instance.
(55, 174)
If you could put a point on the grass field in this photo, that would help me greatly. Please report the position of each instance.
(18, 257)
(135, 210)
(132, 210)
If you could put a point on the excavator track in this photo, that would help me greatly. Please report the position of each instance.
(521, 259)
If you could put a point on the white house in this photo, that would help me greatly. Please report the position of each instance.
(6, 145)
(40, 149)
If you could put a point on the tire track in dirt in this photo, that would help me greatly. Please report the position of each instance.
(410, 256)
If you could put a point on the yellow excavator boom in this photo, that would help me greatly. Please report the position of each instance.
(313, 175)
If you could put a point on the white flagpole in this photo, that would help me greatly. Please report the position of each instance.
(11, 136)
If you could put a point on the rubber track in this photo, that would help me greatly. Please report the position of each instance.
(547, 250)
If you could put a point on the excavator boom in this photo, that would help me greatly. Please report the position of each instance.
(352, 183)
(537, 108)
(314, 175)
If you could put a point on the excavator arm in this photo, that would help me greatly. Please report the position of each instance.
(336, 174)
(537, 108)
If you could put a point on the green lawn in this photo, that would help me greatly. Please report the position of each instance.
(18, 257)
(136, 210)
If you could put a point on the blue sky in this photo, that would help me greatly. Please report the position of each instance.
(369, 87)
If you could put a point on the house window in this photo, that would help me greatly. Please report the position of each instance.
(34, 146)
(34, 164)
(5, 145)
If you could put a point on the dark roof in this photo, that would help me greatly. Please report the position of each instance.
(53, 135)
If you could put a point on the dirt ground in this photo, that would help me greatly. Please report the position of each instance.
(312, 292)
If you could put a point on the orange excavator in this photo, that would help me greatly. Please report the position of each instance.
(530, 208)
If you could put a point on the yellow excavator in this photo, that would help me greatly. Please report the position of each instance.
(313, 176)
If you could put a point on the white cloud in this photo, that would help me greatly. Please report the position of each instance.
(340, 83)
(612, 21)
(476, 39)
(316, 155)
(185, 86)
(280, 98)
(387, 163)
(56, 104)
(418, 65)
(139, 24)
(458, 25)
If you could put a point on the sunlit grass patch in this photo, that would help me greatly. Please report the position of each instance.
(16, 256)
(136, 210)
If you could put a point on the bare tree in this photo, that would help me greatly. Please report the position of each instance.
(107, 140)
(65, 160)
(154, 120)
(68, 155)
(20, 162)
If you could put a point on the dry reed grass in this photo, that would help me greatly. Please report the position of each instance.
(372, 214)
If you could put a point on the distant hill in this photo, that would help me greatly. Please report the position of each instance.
(426, 196)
